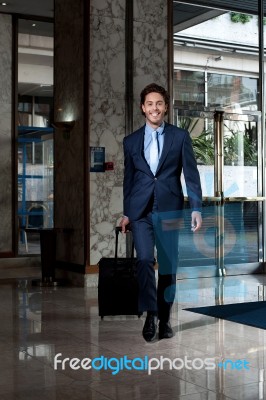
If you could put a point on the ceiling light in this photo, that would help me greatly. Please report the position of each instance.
(3, 4)
(33, 24)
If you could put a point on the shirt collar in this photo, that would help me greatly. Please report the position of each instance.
(149, 129)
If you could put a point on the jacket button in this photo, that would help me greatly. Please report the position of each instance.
(155, 179)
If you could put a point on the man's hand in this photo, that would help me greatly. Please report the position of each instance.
(123, 223)
(196, 221)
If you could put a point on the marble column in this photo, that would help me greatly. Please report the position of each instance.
(107, 121)
(6, 183)
(150, 49)
(107, 102)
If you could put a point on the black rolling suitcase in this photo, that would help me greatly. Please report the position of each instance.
(117, 285)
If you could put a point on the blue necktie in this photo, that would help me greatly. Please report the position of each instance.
(154, 155)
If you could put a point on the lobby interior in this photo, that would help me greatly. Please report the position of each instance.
(42, 323)
(102, 54)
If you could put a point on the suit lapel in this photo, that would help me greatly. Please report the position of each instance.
(141, 142)
(168, 140)
(146, 166)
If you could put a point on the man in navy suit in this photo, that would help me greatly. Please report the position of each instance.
(154, 157)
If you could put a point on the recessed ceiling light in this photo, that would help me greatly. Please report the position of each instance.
(3, 4)
(33, 24)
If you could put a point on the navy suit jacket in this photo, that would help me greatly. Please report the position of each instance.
(140, 184)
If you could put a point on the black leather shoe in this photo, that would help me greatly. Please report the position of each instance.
(150, 327)
(165, 330)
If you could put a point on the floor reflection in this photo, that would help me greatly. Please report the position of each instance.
(38, 323)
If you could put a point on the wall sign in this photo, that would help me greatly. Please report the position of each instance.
(97, 161)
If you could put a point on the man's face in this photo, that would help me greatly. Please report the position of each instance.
(154, 108)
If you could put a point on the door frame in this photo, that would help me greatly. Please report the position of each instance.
(219, 199)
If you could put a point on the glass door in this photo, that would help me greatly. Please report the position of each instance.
(217, 93)
(35, 134)
(35, 185)
(226, 147)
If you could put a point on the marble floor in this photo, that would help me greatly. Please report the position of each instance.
(55, 346)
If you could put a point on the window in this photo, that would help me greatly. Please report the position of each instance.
(34, 132)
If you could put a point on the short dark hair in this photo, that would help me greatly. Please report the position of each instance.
(154, 88)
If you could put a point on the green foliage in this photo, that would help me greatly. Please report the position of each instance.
(203, 144)
(231, 149)
(188, 123)
(243, 18)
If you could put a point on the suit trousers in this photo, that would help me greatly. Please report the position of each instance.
(160, 230)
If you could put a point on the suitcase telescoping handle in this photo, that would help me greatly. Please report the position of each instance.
(117, 230)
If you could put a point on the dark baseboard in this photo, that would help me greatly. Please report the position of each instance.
(68, 266)
(7, 254)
